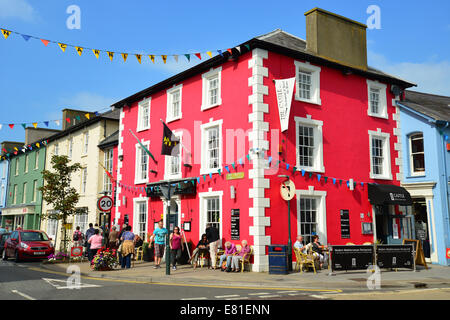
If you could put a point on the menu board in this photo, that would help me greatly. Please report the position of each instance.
(235, 234)
(351, 257)
(345, 224)
(395, 256)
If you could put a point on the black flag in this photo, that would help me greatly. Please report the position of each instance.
(170, 143)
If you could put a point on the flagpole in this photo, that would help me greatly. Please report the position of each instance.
(143, 147)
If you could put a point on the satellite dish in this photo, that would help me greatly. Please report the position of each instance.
(396, 90)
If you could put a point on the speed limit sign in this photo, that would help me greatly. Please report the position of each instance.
(105, 203)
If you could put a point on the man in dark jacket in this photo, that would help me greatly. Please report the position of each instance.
(212, 233)
(89, 233)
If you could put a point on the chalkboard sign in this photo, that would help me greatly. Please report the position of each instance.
(395, 256)
(345, 224)
(235, 233)
(351, 257)
(420, 256)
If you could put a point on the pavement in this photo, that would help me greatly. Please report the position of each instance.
(435, 276)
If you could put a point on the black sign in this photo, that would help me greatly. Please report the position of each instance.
(395, 256)
(345, 224)
(235, 224)
(182, 187)
(351, 257)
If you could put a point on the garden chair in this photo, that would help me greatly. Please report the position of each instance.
(306, 260)
(246, 259)
(219, 253)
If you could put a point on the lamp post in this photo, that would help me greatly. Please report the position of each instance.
(287, 190)
(167, 192)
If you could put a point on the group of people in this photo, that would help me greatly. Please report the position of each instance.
(314, 246)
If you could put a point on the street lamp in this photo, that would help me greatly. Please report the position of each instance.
(288, 194)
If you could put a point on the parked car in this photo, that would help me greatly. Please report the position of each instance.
(3, 237)
(27, 244)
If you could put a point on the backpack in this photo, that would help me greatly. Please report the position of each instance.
(77, 236)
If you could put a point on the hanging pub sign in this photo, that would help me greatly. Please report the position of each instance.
(395, 256)
(235, 230)
(284, 89)
(345, 224)
(351, 257)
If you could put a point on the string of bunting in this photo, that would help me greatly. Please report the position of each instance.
(110, 53)
(8, 152)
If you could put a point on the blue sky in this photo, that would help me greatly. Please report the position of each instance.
(37, 82)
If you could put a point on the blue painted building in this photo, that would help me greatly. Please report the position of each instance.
(424, 130)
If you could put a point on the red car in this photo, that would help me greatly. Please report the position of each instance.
(27, 244)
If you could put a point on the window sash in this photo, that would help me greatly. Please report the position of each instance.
(417, 153)
(84, 180)
(213, 211)
(377, 156)
(36, 160)
(212, 147)
(142, 166)
(308, 218)
(142, 219)
(81, 220)
(108, 163)
(304, 84)
(213, 90)
(26, 162)
(24, 195)
(35, 190)
(306, 146)
(375, 100)
(175, 104)
(86, 143)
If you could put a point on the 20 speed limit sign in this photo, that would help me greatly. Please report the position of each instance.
(105, 203)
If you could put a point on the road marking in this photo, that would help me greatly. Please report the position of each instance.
(271, 296)
(257, 294)
(227, 296)
(185, 284)
(317, 296)
(23, 295)
(286, 291)
(200, 298)
(240, 298)
(295, 294)
(57, 285)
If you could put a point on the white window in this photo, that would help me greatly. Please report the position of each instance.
(416, 154)
(17, 167)
(172, 166)
(311, 215)
(85, 143)
(56, 149)
(211, 91)
(307, 80)
(380, 159)
(143, 115)
(377, 104)
(108, 163)
(211, 147)
(27, 158)
(52, 228)
(140, 213)
(15, 194)
(36, 160)
(35, 191)
(211, 209)
(174, 103)
(309, 144)
(70, 149)
(24, 195)
(84, 180)
(81, 220)
(2, 195)
(141, 171)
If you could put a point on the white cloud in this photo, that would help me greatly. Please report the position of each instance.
(431, 76)
(20, 9)
(87, 101)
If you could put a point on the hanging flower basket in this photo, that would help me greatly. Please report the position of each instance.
(104, 260)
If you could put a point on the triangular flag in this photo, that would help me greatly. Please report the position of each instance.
(6, 33)
(78, 118)
(63, 46)
(164, 58)
(24, 125)
(247, 46)
(325, 179)
(198, 55)
(248, 157)
(219, 171)
(210, 175)
(238, 49)
(230, 51)
(79, 50)
(220, 52)
(228, 169)
(294, 169)
(96, 52)
(204, 177)
(198, 179)
(68, 120)
(209, 53)
(110, 55)
(233, 165)
(188, 57)
(38, 145)
(340, 182)
(270, 159)
(87, 115)
(334, 180)
(175, 56)
(35, 125)
(287, 166)
(26, 37)
(362, 184)
(318, 177)
(46, 123)
(45, 42)
(310, 175)
(124, 56)
(138, 57)
(57, 122)
(303, 172)
(240, 161)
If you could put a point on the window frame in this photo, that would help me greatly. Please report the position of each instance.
(411, 159)
(136, 214)
(108, 162)
(204, 144)
(16, 169)
(203, 197)
(84, 174)
(206, 77)
(24, 192)
(315, 82)
(141, 103)
(77, 221)
(387, 167)
(168, 163)
(137, 162)
(35, 187)
(382, 101)
(85, 143)
(27, 158)
(318, 138)
(70, 148)
(321, 211)
(36, 160)
(170, 92)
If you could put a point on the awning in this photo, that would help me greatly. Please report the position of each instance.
(380, 194)
(186, 186)
(18, 210)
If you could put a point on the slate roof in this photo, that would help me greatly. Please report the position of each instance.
(109, 141)
(431, 105)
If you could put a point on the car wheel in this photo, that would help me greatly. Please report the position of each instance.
(16, 257)
(4, 256)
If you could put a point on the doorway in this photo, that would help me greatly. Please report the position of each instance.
(421, 224)
(174, 214)
(382, 225)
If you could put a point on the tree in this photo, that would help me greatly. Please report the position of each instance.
(58, 193)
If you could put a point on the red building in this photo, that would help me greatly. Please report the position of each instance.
(342, 134)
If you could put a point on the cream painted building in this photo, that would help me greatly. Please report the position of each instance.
(79, 141)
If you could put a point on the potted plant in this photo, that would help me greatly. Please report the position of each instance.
(104, 260)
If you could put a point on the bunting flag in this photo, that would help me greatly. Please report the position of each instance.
(198, 55)
(124, 56)
(35, 125)
(79, 50)
(96, 52)
(138, 57)
(5, 33)
(152, 57)
(45, 42)
(164, 58)
(110, 55)
(188, 57)
(26, 37)
(209, 53)
(63, 46)
(87, 115)
(175, 56)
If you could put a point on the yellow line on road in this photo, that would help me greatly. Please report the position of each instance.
(187, 284)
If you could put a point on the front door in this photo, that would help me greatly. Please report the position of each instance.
(173, 216)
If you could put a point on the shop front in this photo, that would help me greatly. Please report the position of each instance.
(20, 216)
(393, 220)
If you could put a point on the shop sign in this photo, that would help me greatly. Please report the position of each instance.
(235, 176)
(235, 230)
(395, 256)
(351, 257)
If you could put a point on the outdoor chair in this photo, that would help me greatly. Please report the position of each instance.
(219, 253)
(203, 257)
(139, 253)
(246, 259)
(304, 260)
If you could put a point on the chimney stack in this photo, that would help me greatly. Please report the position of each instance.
(336, 38)
(75, 116)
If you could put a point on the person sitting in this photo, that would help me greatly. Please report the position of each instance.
(316, 248)
(299, 244)
(202, 248)
(230, 250)
(236, 259)
(138, 241)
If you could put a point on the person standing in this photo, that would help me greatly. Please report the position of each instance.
(95, 243)
(113, 242)
(77, 237)
(88, 235)
(212, 234)
(159, 235)
(176, 246)
(127, 250)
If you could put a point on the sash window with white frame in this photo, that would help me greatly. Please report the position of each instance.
(307, 80)
(35, 191)
(70, 149)
(81, 220)
(380, 160)
(27, 158)
(174, 103)
(376, 92)
(309, 144)
(56, 149)
(36, 160)
(142, 158)
(15, 194)
(52, 228)
(17, 167)
(24, 194)
(211, 209)
(308, 218)
(211, 91)
(143, 115)
(417, 155)
(86, 143)
(108, 163)
(311, 214)
(140, 217)
(84, 180)
(211, 147)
